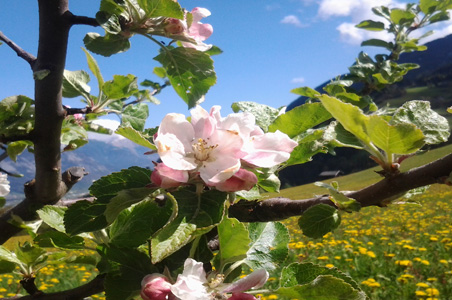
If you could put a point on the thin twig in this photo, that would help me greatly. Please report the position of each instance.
(80, 20)
(28, 57)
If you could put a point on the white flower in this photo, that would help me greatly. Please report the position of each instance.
(191, 284)
(4, 185)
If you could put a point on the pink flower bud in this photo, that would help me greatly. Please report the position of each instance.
(174, 26)
(166, 177)
(78, 116)
(241, 180)
(242, 296)
(155, 287)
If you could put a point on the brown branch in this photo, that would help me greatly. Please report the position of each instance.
(80, 20)
(95, 286)
(72, 111)
(19, 51)
(378, 194)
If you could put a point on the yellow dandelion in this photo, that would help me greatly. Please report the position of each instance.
(425, 262)
(432, 292)
(322, 258)
(422, 285)
(329, 266)
(443, 261)
(272, 297)
(421, 293)
(431, 279)
(371, 254)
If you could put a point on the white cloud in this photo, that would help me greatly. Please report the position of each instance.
(292, 20)
(354, 36)
(439, 31)
(298, 80)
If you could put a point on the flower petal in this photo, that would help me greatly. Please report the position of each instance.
(254, 280)
(242, 180)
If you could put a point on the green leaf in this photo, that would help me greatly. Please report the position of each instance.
(165, 8)
(94, 67)
(7, 255)
(73, 135)
(318, 220)
(351, 117)
(134, 226)
(171, 238)
(123, 200)
(124, 280)
(120, 87)
(311, 143)
(269, 182)
(53, 216)
(324, 287)
(399, 139)
(135, 136)
(190, 72)
(109, 22)
(268, 248)
(340, 200)
(441, 16)
(382, 11)
(234, 241)
(265, 115)
(434, 126)
(303, 273)
(428, 6)
(160, 72)
(305, 91)
(6, 267)
(371, 25)
(16, 148)
(108, 186)
(30, 254)
(401, 16)
(378, 43)
(300, 119)
(59, 240)
(106, 45)
(75, 83)
(111, 6)
(84, 216)
(135, 116)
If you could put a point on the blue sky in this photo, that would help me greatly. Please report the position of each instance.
(270, 47)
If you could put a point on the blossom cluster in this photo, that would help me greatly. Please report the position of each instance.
(195, 284)
(4, 185)
(218, 152)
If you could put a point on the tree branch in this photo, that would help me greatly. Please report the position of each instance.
(19, 51)
(80, 20)
(95, 286)
(378, 194)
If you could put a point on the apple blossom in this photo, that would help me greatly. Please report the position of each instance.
(198, 146)
(155, 287)
(191, 284)
(4, 185)
(199, 31)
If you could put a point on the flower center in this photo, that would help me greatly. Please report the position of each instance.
(202, 150)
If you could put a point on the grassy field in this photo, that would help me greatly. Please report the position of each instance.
(399, 252)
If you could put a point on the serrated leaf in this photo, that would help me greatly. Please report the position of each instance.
(94, 67)
(305, 91)
(378, 43)
(268, 248)
(441, 16)
(30, 254)
(135, 136)
(190, 72)
(371, 25)
(120, 87)
(340, 200)
(135, 116)
(401, 138)
(428, 6)
(264, 115)
(234, 241)
(318, 220)
(109, 22)
(75, 83)
(106, 45)
(434, 126)
(324, 287)
(300, 119)
(125, 199)
(171, 238)
(134, 226)
(6, 267)
(269, 182)
(160, 72)
(84, 216)
(7, 255)
(53, 216)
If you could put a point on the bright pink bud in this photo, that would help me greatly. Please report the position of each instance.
(241, 180)
(78, 116)
(241, 296)
(166, 177)
(155, 287)
(174, 26)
